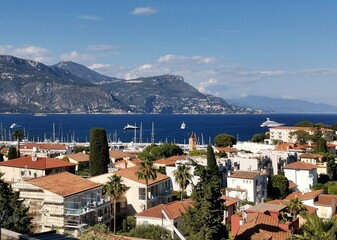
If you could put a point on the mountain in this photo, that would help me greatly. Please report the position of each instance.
(83, 72)
(28, 86)
(277, 105)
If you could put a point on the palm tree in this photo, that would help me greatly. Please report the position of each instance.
(114, 188)
(18, 136)
(183, 177)
(317, 229)
(146, 171)
(295, 207)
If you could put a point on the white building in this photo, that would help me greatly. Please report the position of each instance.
(165, 215)
(304, 175)
(170, 173)
(247, 185)
(64, 201)
(32, 167)
(159, 189)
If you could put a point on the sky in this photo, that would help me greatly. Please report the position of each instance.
(231, 49)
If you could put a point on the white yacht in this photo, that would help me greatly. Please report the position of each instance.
(183, 126)
(14, 125)
(130, 127)
(271, 123)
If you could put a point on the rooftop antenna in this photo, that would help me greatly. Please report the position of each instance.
(53, 132)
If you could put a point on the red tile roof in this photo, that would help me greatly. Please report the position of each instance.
(40, 163)
(64, 184)
(116, 154)
(300, 166)
(172, 209)
(261, 226)
(304, 196)
(46, 146)
(79, 157)
(292, 185)
(227, 149)
(264, 207)
(130, 173)
(326, 200)
(170, 161)
(230, 200)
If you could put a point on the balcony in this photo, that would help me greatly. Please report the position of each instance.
(81, 208)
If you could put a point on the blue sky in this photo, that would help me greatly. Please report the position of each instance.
(283, 49)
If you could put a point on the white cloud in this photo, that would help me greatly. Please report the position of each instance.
(102, 47)
(96, 66)
(143, 11)
(75, 56)
(204, 86)
(288, 97)
(89, 17)
(27, 52)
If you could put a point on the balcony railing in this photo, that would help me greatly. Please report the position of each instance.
(85, 208)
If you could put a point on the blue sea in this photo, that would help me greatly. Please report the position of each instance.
(76, 127)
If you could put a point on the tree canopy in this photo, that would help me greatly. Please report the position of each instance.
(12, 153)
(278, 186)
(260, 137)
(12, 211)
(99, 152)
(165, 150)
(224, 140)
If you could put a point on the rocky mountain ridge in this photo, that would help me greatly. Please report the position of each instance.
(28, 86)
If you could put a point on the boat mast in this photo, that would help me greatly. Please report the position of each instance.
(53, 132)
(140, 133)
(152, 134)
(135, 135)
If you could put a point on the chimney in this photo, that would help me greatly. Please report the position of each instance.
(34, 157)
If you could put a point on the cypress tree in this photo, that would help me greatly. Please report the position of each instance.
(99, 152)
(12, 153)
(211, 161)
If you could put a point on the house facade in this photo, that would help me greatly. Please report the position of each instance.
(159, 189)
(64, 201)
(304, 175)
(165, 215)
(33, 167)
(247, 185)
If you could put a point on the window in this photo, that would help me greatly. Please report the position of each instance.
(145, 222)
(141, 192)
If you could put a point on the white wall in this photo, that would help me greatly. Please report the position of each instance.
(301, 178)
(14, 174)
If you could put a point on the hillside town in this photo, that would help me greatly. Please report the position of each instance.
(276, 186)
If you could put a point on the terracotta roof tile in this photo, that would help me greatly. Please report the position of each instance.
(40, 163)
(172, 209)
(45, 146)
(64, 184)
(79, 157)
(261, 225)
(116, 154)
(130, 173)
(230, 200)
(326, 200)
(300, 166)
(227, 149)
(292, 185)
(170, 161)
(304, 196)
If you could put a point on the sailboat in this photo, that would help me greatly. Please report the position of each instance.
(183, 125)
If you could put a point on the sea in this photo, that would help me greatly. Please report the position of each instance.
(163, 128)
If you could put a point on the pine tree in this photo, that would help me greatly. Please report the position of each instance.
(99, 152)
(204, 219)
(12, 211)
